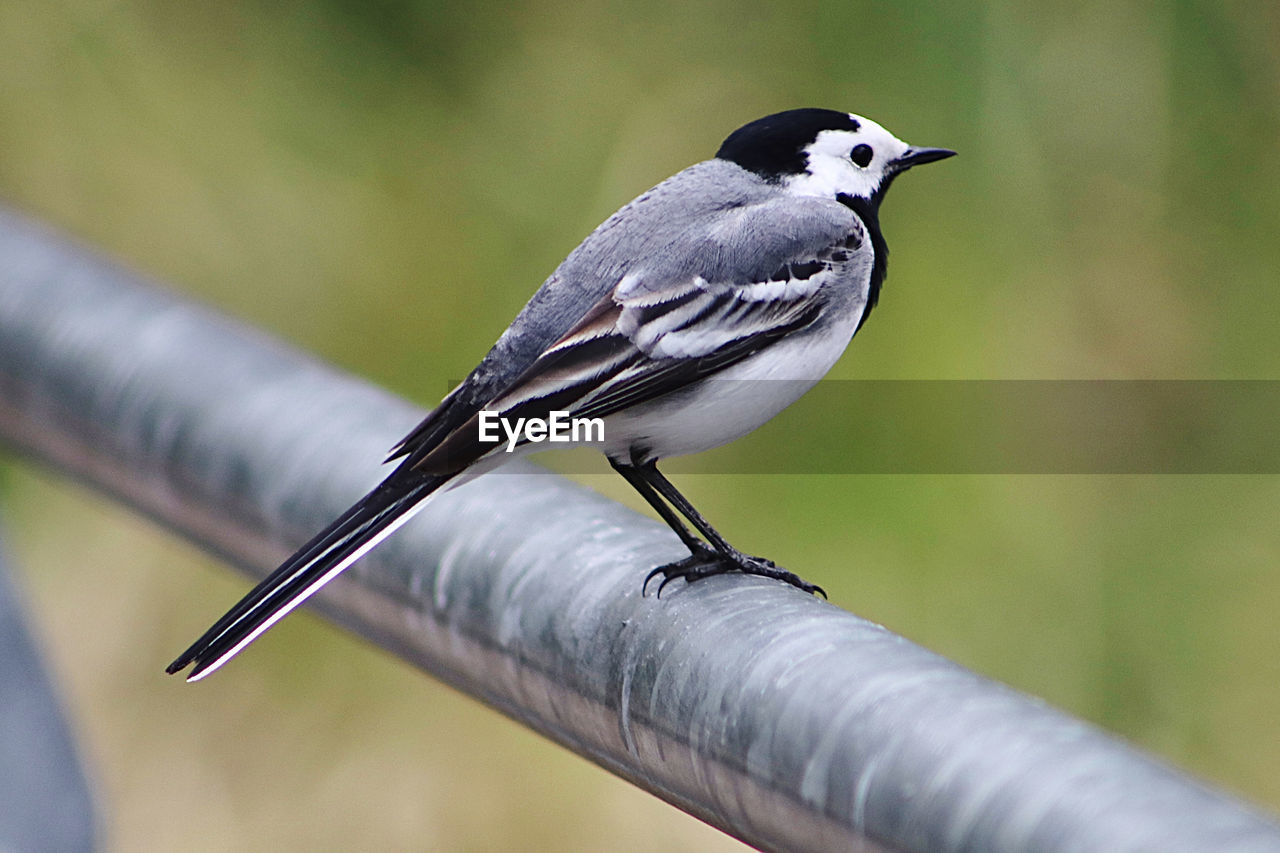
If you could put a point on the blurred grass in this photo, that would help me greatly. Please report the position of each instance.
(358, 177)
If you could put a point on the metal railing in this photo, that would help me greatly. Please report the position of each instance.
(45, 798)
(779, 718)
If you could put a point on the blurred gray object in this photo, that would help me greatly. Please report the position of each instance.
(783, 720)
(44, 798)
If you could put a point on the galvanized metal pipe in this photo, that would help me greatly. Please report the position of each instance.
(45, 799)
(779, 718)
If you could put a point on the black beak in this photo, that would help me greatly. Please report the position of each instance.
(920, 156)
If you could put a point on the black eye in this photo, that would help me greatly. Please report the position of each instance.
(861, 154)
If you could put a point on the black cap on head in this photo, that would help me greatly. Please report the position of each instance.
(773, 146)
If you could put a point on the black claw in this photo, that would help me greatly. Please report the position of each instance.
(644, 589)
(699, 564)
(705, 562)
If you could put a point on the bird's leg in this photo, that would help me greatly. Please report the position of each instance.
(704, 560)
(633, 475)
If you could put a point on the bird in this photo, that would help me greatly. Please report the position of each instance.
(690, 317)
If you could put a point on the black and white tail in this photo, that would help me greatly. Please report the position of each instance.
(372, 519)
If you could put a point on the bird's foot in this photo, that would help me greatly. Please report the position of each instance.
(706, 561)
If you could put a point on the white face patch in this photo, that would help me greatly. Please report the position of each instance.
(831, 171)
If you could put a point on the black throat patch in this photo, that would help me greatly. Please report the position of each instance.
(868, 210)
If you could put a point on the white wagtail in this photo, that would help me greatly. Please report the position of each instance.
(689, 318)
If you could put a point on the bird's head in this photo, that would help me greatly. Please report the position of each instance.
(824, 153)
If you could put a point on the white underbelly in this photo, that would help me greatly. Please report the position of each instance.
(728, 405)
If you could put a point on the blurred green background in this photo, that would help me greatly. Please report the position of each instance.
(359, 177)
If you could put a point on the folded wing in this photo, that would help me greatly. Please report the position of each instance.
(646, 339)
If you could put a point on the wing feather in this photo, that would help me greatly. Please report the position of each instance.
(658, 328)
(628, 351)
